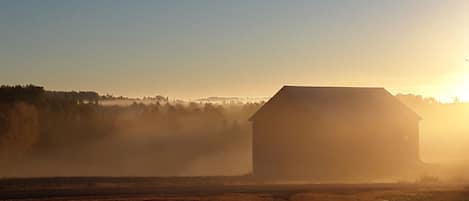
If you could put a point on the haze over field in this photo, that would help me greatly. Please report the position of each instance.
(47, 133)
(205, 100)
(167, 88)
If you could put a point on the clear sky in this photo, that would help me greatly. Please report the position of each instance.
(197, 48)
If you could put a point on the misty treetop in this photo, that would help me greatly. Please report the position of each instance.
(162, 137)
(38, 96)
(29, 93)
(58, 133)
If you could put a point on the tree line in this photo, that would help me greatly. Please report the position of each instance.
(64, 131)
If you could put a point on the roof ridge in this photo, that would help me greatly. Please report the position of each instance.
(330, 87)
(306, 94)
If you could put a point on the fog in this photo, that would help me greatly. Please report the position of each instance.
(444, 129)
(156, 139)
(50, 135)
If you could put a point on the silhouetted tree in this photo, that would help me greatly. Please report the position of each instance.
(30, 94)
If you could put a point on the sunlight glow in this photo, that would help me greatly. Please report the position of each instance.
(461, 86)
(463, 90)
(453, 86)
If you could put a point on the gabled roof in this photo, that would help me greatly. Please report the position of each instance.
(374, 101)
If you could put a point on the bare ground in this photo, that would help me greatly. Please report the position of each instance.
(218, 189)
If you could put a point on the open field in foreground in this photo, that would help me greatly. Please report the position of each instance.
(213, 189)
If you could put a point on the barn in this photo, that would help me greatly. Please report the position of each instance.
(334, 133)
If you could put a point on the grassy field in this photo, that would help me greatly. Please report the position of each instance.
(218, 189)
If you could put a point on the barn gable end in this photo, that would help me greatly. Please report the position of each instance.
(334, 133)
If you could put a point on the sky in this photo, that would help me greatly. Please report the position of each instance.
(245, 48)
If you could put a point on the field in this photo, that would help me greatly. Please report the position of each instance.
(219, 189)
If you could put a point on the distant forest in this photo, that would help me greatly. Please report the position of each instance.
(70, 133)
(57, 133)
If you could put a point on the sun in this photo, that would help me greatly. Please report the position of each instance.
(462, 92)
(462, 87)
(455, 85)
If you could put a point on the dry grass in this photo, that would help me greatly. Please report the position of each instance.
(192, 189)
(308, 196)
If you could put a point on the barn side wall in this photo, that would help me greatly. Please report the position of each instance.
(300, 146)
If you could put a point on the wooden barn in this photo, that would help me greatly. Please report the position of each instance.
(334, 133)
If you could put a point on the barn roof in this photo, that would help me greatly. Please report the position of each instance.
(374, 101)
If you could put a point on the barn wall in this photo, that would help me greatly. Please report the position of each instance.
(297, 145)
(280, 142)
